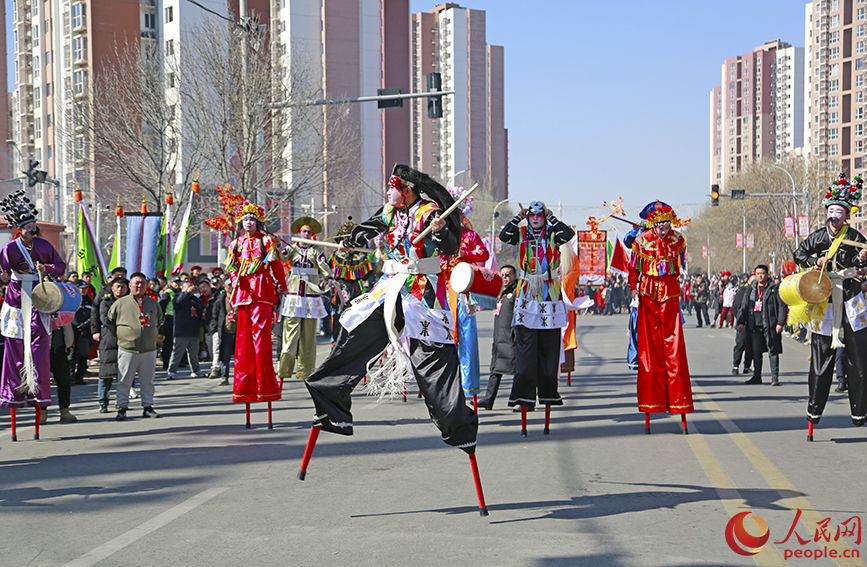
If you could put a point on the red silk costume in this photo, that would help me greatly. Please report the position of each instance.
(252, 261)
(663, 372)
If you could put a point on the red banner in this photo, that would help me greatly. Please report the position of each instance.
(592, 257)
(751, 240)
(789, 224)
(803, 225)
(739, 240)
(704, 251)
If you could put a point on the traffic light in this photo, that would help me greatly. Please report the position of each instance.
(434, 103)
(34, 176)
(389, 103)
(714, 195)
(738, 194)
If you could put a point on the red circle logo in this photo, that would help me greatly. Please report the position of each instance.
(740, 541)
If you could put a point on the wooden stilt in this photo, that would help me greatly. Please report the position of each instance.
(248, 415)
(809, 431)
(647, 423)
(547, 430)
(569, 379)
(683, 423)
(308, 451)
(476, 403)
(270, 423)
(14, 425)
(523, 421)
(483, 509)
(38, 419)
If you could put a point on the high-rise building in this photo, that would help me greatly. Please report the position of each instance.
(757, 111)
(470, 142)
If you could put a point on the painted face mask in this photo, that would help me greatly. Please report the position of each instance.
(249, 223)
(661, 228)
(397, 192)
(837, 215)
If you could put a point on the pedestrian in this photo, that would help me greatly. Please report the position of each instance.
(503, 345)
(743, 349)
(187, 331)
(62, 342)
(83, 336)
(167, 330)
(728, 297)
(763, 316)
(135, 320)
(215, 316)
(663, 372)
(700, 296)
(845, 317)
(227, 340)
(108, 342)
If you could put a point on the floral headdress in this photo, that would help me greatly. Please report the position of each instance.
(248, 208)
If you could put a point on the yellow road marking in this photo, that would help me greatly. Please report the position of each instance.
(774, 477)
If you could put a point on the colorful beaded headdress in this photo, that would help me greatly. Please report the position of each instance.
(248, 208)
(18, 209)
(656, 212)
(466, 206)
(844, 193)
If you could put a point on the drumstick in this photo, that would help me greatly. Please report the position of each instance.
(856, 244)
(300, 240)
(447, 212)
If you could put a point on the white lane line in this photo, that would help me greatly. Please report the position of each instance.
(96, 555)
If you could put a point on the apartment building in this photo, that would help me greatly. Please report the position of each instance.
(470, 142)
(757, 111)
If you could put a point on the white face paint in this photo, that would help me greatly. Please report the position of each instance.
(536, 220)
(837, 214)
(395, 197)
(249, 223)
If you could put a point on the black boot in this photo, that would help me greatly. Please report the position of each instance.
(487, 402)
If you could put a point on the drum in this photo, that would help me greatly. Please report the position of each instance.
(471, 278)
(51, 297)
(812, 286)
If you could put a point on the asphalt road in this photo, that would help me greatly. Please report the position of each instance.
(195, 488)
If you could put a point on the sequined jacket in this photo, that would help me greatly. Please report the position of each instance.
(655, 265)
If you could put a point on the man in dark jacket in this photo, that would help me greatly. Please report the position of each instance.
(503, 347)
(743, 345)
(83, 336)
(763, 316)
(188, 323)
(168, 328)
(700, 297)
(215, 315)
(107, 340)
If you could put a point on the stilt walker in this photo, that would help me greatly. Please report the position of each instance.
(463, 309)
(25, 378)
(840, 252)
(409, 302)
(540, 312)
(663, 373)
(254, 265)
(303, 308)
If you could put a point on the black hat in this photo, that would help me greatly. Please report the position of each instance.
(423, 185)
(119, 279)
(175, 279)
(82, 284)
(18, 209)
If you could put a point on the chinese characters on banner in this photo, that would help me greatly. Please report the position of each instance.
(591, 257)
(803, 225)
(704, 251)
(751, 240)
(739, 240)
(789, 224)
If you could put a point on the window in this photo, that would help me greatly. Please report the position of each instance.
(862, 13)
(170, 80)
(859, 113)
(835, 69)
(833, 118)
(861, 63)
(170, 47)
(36, 67)
(833, 102)
(79, 81)
(35, 36)
(150, 21)
(835, 21)
(170, 15)
(861, 30)
(835, 53)
(208, 242)
(37, 100)
(77, 13)
(835, 85)
(38, 128)
(833, 133)
(835, 5)
(79, 48)
(832, 150)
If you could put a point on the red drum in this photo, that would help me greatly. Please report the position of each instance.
(471, 278)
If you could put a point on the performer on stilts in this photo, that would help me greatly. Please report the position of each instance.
(353, 272)
(25, 378)
(472, 250)
(663, 373)
(409, 302)
(303, 307)
(257, 273)
(842, 321)
(540, 312)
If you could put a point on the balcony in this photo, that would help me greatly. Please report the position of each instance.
(149, 34)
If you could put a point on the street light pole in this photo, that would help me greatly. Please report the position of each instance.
(493, 219)
(794, 198)
(744, 241)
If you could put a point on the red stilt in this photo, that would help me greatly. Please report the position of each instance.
(523, 421)
(281, 383)
(404, 392)
(569, 379)
(270, 423)
(547, 420)
(809, 431)
(38, 419)
(308, 451)
(683, 423)
(364, 380)
(14, 425)
(647, 423)
(248, 415)
(483, 509)
(419, 394)
(476, 403)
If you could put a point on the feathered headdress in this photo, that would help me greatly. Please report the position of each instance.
(19, 210)
(844, 193)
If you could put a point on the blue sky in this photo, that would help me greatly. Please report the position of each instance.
(608, 99)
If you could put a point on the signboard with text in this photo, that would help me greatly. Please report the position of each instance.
(592, 257)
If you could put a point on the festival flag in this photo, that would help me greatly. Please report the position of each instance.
(89, 254)
(180, 250)
(619, 260)
(164, 244)
(142, 236)
(116, 249)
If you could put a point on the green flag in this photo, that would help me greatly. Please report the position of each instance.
(164, 244)
(116, 249)
(181, 244)
(89, 254)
